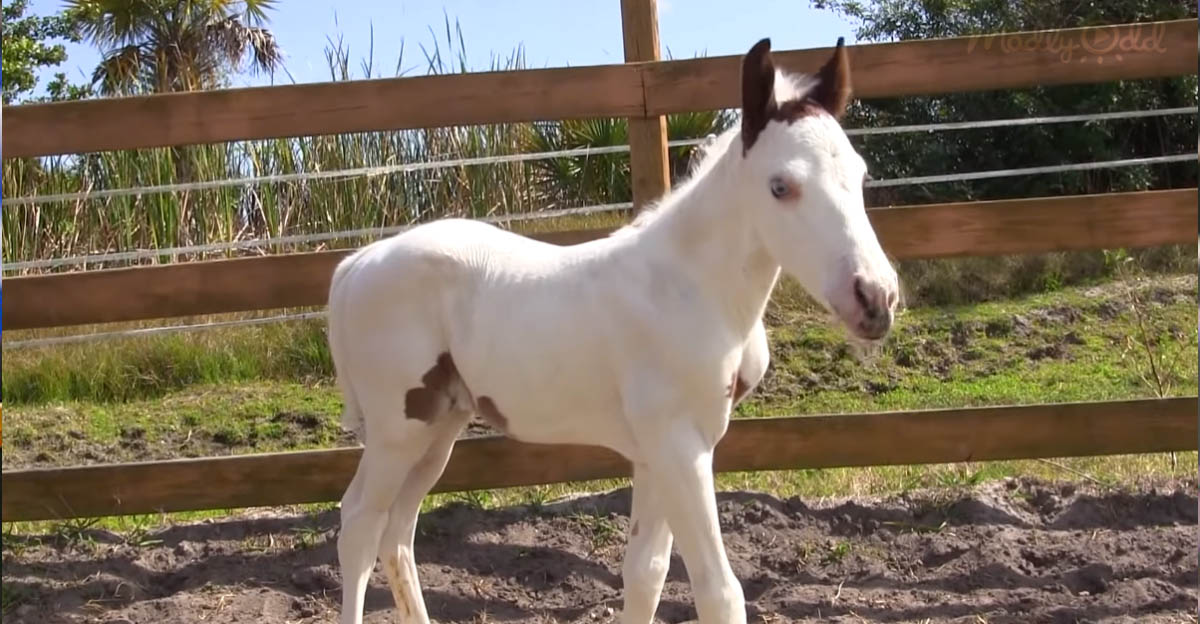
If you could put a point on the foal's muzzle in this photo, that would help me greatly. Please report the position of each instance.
(874, 302)
(865, 304)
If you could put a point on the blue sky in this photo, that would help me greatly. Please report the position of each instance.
(553, 33)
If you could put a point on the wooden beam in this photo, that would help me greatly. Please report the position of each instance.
(1018, 226)
(188, 289)
(1160, 49)
(321, 109)
(1021, 226)
(650, 171)
(954, 65)
(896, 438)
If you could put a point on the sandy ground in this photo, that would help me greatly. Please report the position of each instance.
(1004, 552)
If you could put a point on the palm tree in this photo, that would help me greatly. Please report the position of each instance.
(161, 46)
(165, 46)
(605, 178)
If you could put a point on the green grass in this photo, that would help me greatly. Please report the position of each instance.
(268, 388)
(205, 419)
(804, 347)
(1071, 345)
(150, 367)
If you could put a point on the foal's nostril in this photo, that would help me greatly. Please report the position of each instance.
(863, 301)
(868, 302)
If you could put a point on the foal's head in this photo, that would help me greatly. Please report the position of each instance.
(802, 183)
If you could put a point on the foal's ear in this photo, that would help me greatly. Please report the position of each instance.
(833, 91)
(758, 92)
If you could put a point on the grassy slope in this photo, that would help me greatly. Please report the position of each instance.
(267, 388)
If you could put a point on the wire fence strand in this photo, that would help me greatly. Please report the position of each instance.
(378, 170)
(295, 239)
(145, 254)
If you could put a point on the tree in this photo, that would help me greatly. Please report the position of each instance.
(175, 45)
(61, 89)
(901, 155)
(25, 47)
(914, 154)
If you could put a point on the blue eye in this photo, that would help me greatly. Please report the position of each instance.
(779, 188)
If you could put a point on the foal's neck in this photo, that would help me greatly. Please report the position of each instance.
(706, 232)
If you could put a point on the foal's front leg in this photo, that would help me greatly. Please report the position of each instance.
(648, 555)
(680, 467)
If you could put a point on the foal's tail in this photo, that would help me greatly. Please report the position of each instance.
(352, 417)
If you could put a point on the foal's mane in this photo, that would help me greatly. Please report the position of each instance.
(791, 91)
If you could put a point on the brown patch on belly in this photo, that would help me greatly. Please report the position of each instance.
(634, 531)
(737, 388)
(491, 414)
(424, 403)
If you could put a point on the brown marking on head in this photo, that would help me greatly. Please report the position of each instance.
(424, 403)
(758, 92)
(830, 95)
(634, 531)
(491, 414)
(792, 110)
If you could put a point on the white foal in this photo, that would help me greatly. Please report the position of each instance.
(641, 342)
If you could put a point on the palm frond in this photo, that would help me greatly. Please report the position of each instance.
(111, 23)
(266, 54)
(121, 70)
(185, 44)
(256, 10)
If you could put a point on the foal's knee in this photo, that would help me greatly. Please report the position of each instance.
(359, 532)
(645, 572)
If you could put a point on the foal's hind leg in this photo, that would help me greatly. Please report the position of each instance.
(396, 547)
(404, 421)
(648, 556)
(381, 474)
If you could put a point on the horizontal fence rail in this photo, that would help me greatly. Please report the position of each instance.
(632, 90)
(1109, 220)
(433, 165)
(952, 65)
(895, 438)
(323, 108)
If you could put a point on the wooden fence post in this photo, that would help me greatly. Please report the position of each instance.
(650, 170)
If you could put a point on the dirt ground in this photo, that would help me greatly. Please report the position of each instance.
(1004, 552)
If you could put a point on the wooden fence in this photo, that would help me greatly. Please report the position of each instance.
(642, 90)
